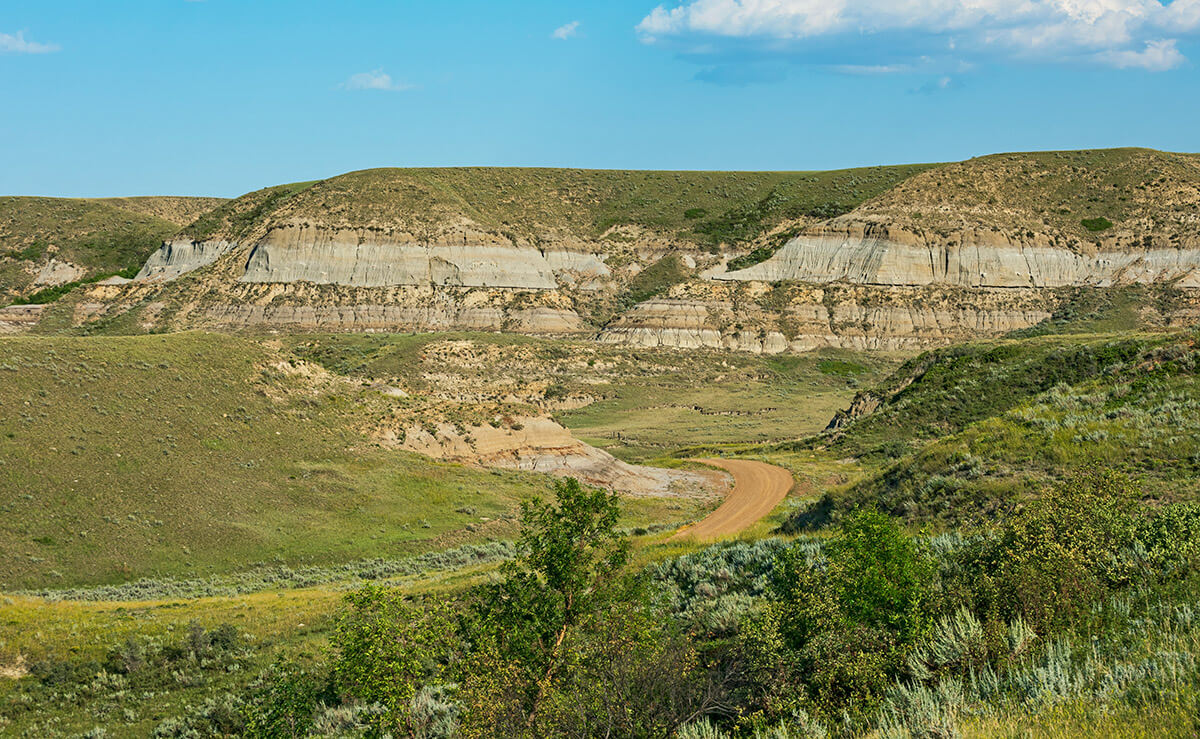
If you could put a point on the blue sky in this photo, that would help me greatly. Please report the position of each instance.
(128, 97)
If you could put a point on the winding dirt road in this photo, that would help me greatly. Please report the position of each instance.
(757, 488)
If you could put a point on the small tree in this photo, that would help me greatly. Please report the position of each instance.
(570, 564)
(387, 649)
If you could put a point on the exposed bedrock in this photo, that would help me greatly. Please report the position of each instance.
(180, 256)
(805, 318)
(966, 260)
(368, 259)
(367, 317)
(539, 444)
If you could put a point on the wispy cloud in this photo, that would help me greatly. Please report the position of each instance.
(18, 44)
(870, 69)
(1140, 34)
(1156, 57)
(375, 80)
(566, 31)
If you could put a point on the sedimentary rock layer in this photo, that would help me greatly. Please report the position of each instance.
(809, 318)
(541, 320)
(18, 318)
(366, 259)
(178, 257)
(874, 261)
(542, 445)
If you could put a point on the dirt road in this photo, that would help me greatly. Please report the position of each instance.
(757, 488)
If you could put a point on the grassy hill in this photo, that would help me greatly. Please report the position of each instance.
(539, 204)
(100, 237)
(963, 432)
(190, 454)
(1077, 197)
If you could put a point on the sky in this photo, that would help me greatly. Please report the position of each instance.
(220, 97)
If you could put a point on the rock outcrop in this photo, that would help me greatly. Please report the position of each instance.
(765, 319)
(19, 318)
(413, 317)
(967, 260)
(56, 272)
(541, 445)
(180, 256)
(367, 259)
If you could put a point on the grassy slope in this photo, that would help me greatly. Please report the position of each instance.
(189, 454)
(964, 430)
(1149, 193)
(102, 236)
(533, 204)
(723, 401)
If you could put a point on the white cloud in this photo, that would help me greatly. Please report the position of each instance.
(375, 80)
(1158, 56)
(1112, 32)
(18, 44)
(566, 31)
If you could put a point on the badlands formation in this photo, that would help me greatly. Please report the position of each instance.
(880, 258)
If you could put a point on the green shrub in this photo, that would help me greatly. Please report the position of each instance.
(1062, 552)
(387, 649)
(839, 621)
(1096, 225)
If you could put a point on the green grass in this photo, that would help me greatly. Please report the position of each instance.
(653, 281)
(193, 454)
(1069, 195)
(645, 404)
(965, 432)
(719, 400)
(701, 207)
(102, 237)
(190, 454)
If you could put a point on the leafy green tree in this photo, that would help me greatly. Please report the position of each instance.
(570, 565)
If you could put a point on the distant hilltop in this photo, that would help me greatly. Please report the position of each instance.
(876, 257)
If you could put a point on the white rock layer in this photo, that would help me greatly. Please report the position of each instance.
(366, 259)
(443, 317)
(178, 257)
(873, 261)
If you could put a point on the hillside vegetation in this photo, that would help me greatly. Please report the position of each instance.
(1077, 198)
(191, 454)
(99, 237)
(535, 205)
(962, 433)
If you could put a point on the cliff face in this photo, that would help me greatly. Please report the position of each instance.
(772, 320)
(967, 260)
(364, 259)
(911, 257)
(177, 257)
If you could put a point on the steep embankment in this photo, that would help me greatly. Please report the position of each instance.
(1046, 219)
(552, 251)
